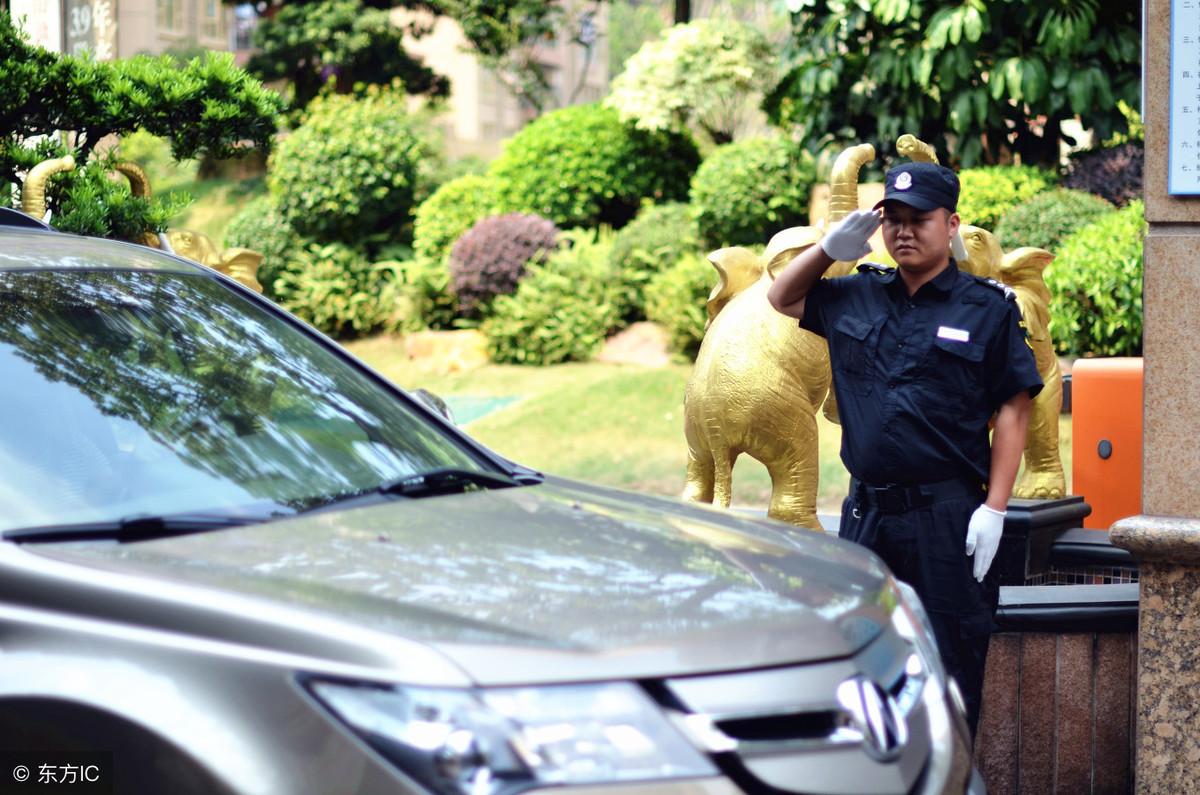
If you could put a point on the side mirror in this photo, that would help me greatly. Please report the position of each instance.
(435, 403)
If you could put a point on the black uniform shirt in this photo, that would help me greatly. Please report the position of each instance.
(918, 378)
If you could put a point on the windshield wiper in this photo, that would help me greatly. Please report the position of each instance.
(132, 528)
(446, 480)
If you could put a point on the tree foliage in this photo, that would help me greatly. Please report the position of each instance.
(354, 42)
(339, 40)
(52, 105)
(703, 72)
(981, 80)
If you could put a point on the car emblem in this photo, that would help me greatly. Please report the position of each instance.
(904, 181)
(873, 713)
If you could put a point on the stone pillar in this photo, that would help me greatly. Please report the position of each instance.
(1166, 538)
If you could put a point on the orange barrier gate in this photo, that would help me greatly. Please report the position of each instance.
(1106, 441)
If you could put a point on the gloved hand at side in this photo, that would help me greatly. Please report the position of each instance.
(983, 538)
(847, 240)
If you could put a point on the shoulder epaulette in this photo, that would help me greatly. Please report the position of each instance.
(875, 267)
(1008, 292)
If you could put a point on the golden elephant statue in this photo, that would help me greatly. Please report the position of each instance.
(240, 264)
(759, 378)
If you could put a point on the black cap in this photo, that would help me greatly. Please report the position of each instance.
(925, 186)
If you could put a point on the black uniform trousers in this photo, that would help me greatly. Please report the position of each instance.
(920, 532)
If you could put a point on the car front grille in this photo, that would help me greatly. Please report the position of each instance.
(853, 726)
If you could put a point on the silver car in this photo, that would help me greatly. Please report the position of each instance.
(236, 560)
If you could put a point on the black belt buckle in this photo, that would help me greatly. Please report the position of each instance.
(892, 498)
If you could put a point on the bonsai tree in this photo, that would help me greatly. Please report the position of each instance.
(56, 105)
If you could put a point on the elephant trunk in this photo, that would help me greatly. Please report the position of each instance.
(33, 193)
(139, 183)
(843, 182)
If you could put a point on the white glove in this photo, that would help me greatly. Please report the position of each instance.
(847, 240)
(983, 538)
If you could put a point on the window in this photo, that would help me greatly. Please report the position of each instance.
(213, 21)
(170, 15)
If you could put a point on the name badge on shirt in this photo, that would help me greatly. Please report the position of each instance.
(956, 334)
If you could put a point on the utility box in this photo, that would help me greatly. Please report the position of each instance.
(1106, 440)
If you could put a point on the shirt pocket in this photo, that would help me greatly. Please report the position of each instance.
(852, 350)
(956, 368)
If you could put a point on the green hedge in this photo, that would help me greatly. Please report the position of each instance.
(428, 299)
(582, 167)
(349, 173)
(337, 290)
(1048, 218)
(655, 240)
(677, 298)
(1096, 287)
(991, 191)
(449, 212)
(563, 308)
(746, 191)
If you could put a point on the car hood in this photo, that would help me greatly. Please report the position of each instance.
(554, 581)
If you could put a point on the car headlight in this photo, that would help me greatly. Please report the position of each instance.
(505, 740)
(911, 622)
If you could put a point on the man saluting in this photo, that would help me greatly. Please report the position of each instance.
(924, 356)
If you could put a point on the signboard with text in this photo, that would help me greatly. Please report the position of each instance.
(91, 26)
(1183, 175)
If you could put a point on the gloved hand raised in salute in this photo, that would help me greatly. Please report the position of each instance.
(848, 239)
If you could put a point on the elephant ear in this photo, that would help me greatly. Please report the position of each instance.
(786, 244)
(242, 264)
(738, 269)
(1023, 267)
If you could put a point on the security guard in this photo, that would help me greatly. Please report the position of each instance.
(924, 356)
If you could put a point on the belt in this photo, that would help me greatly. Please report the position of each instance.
(897, 498)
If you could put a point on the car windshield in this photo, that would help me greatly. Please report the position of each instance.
(134, 393)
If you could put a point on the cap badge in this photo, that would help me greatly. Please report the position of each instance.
(904, 181)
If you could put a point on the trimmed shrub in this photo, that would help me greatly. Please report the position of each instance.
(746, 191)
(260, 227)
(561, 311)
(350, 171)
(655, 240)
(1048, 218)
(429, 300)
(989, 192)
(677, 298)
(581, 166)
(337, 290)
(492, 256)
(1096, 287)
(1114, 173)
(449, 212)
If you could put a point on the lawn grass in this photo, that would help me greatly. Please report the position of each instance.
(620, 425)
